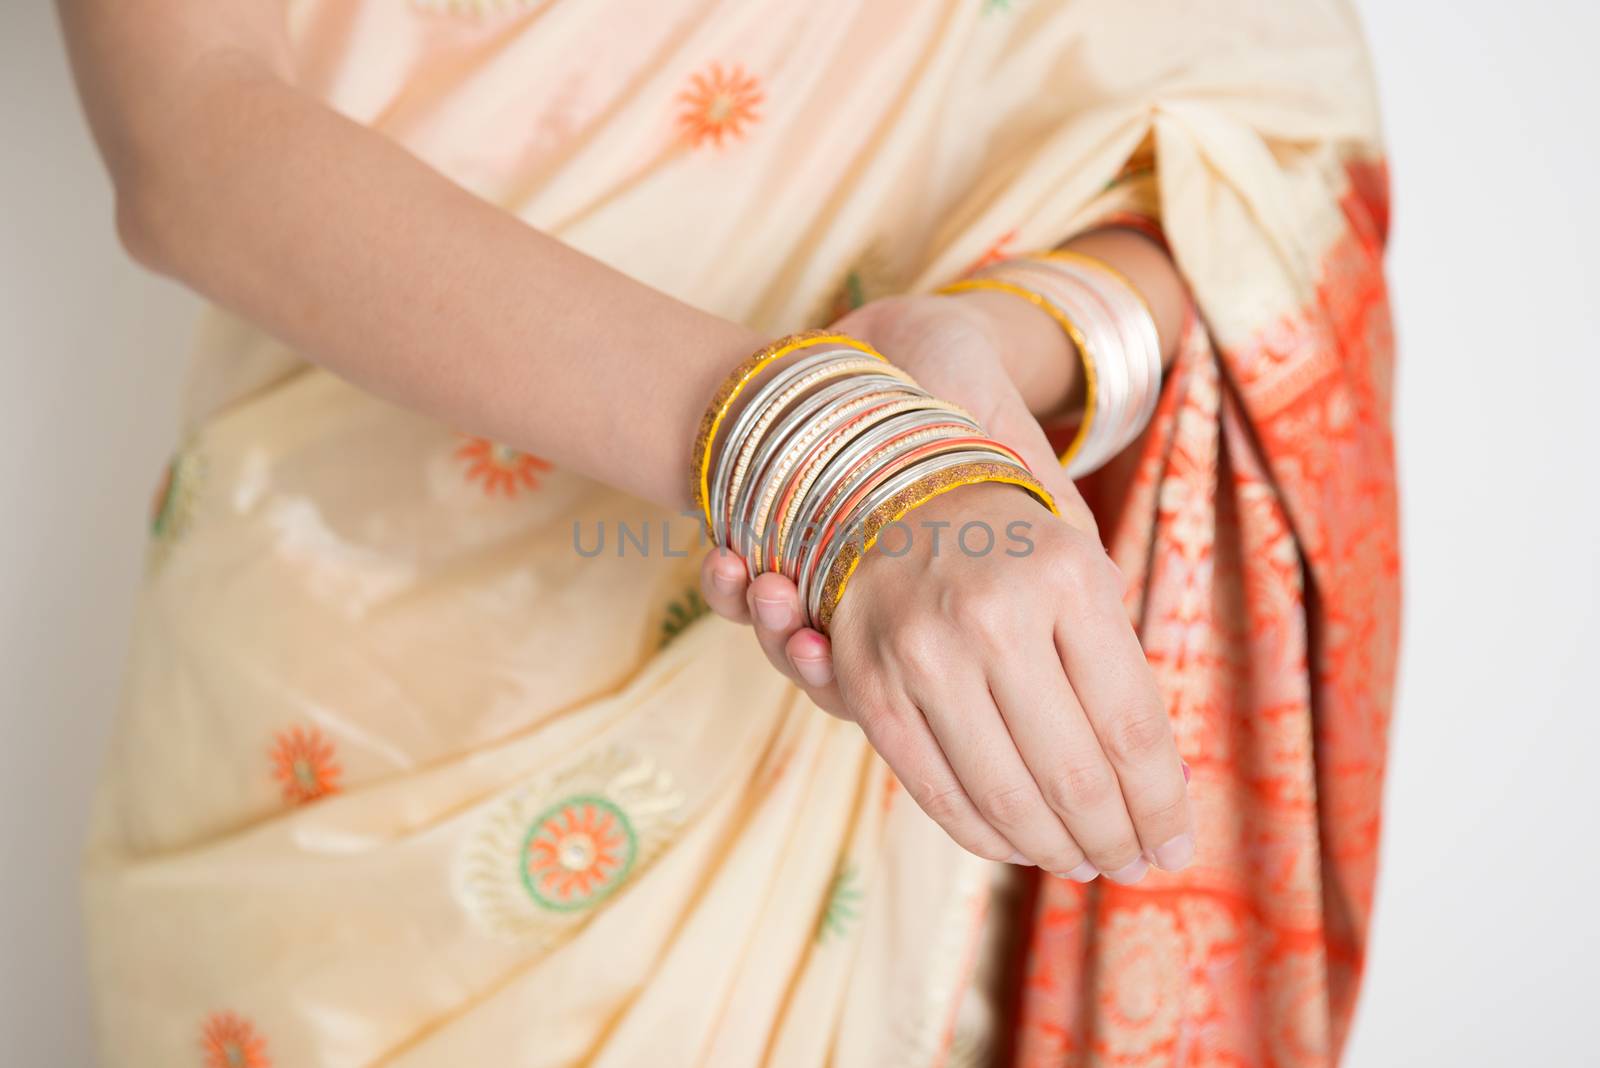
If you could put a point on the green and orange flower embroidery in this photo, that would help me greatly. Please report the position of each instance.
(843, 905)
(303, 764)
(172, 506)
(719, 105)
(681, 614)
(577, 852)
(500, 469)
(230, 1041)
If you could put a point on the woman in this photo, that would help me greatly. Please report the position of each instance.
(428, 758)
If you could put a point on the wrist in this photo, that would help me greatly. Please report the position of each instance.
(1036, 353)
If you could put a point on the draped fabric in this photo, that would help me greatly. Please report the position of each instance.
(429, 753)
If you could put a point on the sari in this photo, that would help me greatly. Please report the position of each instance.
(430, 754)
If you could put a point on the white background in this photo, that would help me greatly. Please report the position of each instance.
(1487, 941)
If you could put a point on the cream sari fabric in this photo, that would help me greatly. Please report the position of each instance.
(408, 773)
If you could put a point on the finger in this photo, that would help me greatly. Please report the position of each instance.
(1063, 754)
(974, 739)
(774, 606)
(901, 737)
(1112, 678)
(722, 584)
(811, 655)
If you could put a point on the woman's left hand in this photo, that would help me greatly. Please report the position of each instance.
(953, 348)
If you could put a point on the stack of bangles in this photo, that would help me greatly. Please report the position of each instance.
(830, 445)
(1110, 325)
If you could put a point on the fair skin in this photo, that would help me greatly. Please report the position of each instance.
(1008, 694)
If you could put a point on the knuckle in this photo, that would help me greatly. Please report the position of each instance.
(918, 649)
(988, 847)
(944, 802)
(1079, 788)
(1008, 806)
(1163, 816)
(1116, 854)
(1060, 858)
(985, 616)
(1137, 736)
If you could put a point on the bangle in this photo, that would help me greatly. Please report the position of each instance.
(1110, 325)
(833, 442)
(1075, 336)
(958, 469)
(751, 427)
(729, 391)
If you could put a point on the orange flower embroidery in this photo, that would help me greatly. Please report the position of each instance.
(230, 1041)
(500, 468)
(577, 852)
(997, 251)
(303, 764)
(718, 103)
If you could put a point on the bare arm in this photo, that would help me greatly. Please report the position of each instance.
(373, 264)
(383, 271)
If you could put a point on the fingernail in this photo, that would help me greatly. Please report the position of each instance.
(817, 673)
(1186, 772)
(774, 615)
(1176, 854)
(1130, 874)
(1083, 873)
(725, 582)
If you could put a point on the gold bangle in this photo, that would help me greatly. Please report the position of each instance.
(728, 392)
(1073, 334)
(914, 496)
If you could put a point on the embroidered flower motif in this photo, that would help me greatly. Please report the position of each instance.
(999, 249)
(546, 854)
(577, 852)
(303, 764)
(680, 613)
(172, 507)
(230, 1041)
(718, 104)
(500, 468)
(842, 908)
(871, 276)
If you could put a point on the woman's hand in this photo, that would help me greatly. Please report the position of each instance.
(954, 347)
(1008, 692)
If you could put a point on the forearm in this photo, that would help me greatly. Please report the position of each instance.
(1041, 359)
(380, 269)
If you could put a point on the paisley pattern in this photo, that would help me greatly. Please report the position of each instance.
(544, 856)
(1259, 537)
